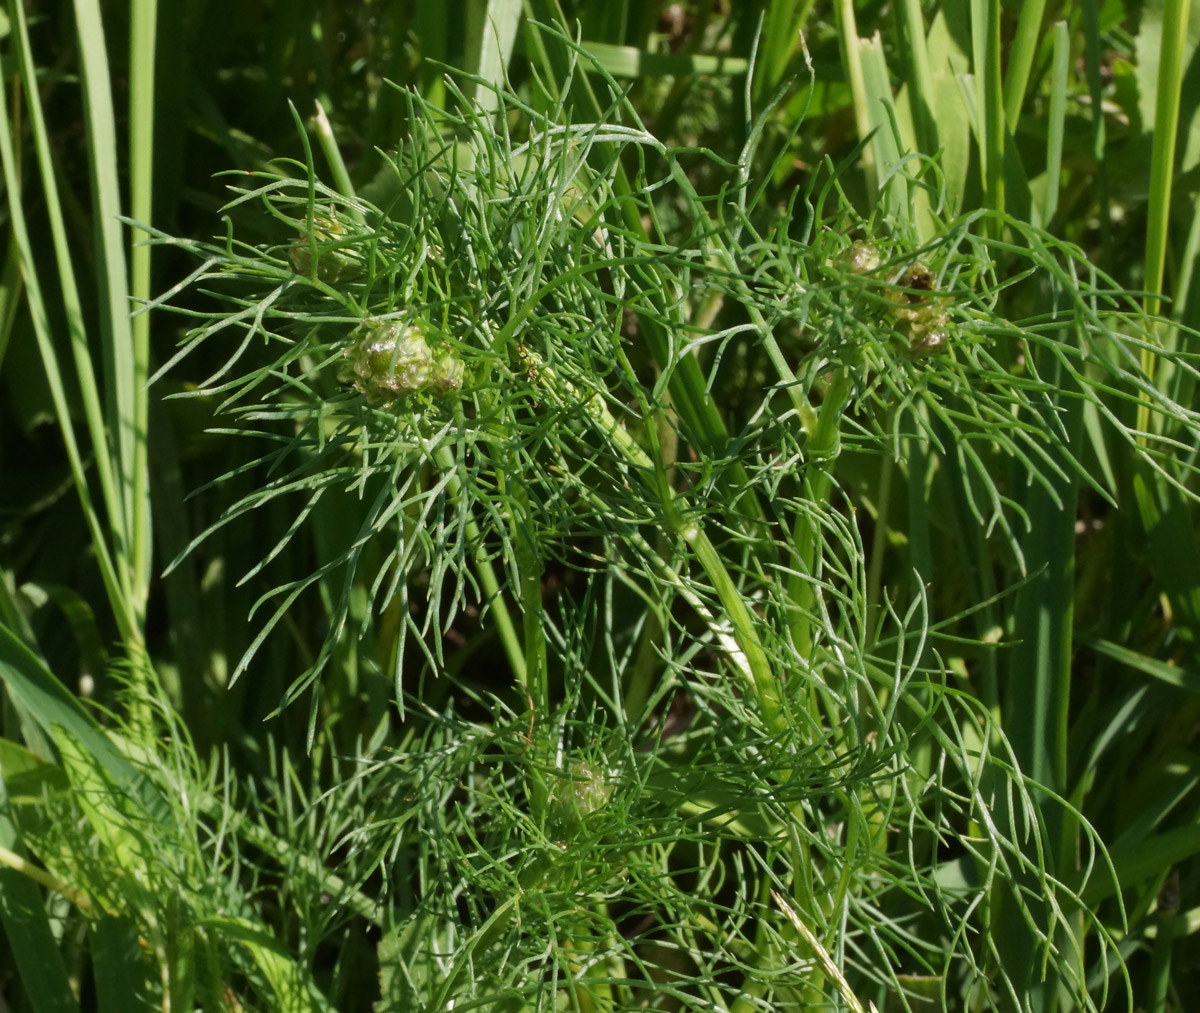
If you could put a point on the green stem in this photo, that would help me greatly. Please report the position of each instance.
(125, 403)
(852, 60)
(333, 156)
(1162, 158)
(755, 661)
(919, 77)
(1057, 120)
(114, 572)
(985, 30)
(497, 606)
(879, 540)
(482, 940)
(142, 45)
(530, 587)
(1159, 983)
(647, 662)
(689, 390)
(824, 444)
(1020, 59)
(522, 531)
(1162, 167)
(766, 684)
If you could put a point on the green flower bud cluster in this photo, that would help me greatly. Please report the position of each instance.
(924, 318)
(391, 360)
(575, 796)
(862, 257)
(333, 262)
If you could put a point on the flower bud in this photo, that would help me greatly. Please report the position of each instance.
(927, 341)
(577, 795)
(928, 330)
(333, 262)
(862, 257)
(923, 316)
(392, 360)
(447, 375)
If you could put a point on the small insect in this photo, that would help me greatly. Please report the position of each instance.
(918, 277)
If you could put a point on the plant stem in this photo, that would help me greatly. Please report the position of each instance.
(985, 30)
(823, 445)
(487, 575)
(852, 60)
(1020, 60)
(110, 557)
(1162, 167)
(142, 46)
(677, 511)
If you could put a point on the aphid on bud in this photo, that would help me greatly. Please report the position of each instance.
(919, 277)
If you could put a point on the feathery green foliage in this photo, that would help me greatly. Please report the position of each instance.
(672, 562)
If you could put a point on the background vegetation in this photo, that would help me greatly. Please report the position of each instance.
(611, 506)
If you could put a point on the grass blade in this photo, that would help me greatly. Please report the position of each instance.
(142, 60)
(31, 942)
(125, 376)
(1020, 59)
(110, 559)
(1057, 122)
(491, 35)
(1162, 159)
(987, 48)
(120, 972)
